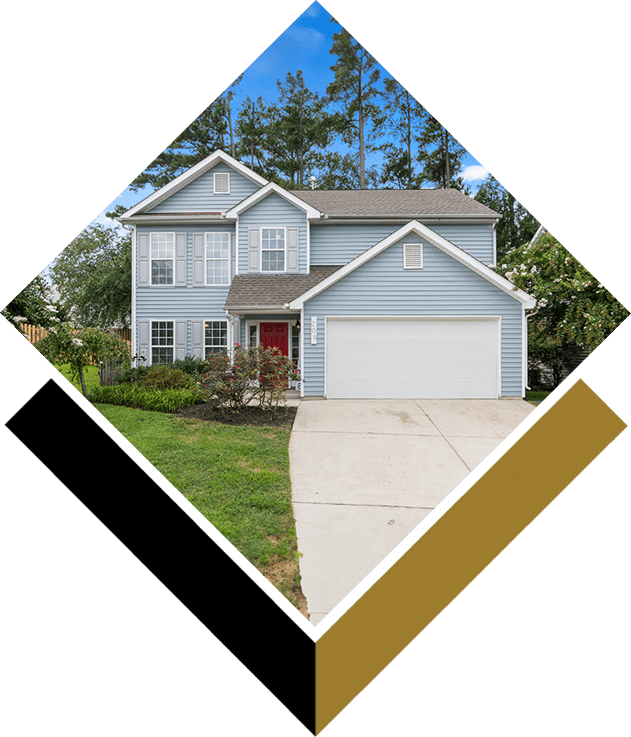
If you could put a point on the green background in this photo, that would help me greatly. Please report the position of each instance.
(92, 643)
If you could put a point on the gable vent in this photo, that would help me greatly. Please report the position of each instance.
(222, 183)
(412, 255)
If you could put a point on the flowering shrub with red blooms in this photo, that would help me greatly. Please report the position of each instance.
(238, 377)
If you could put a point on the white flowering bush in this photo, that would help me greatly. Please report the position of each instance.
(574, 309)
(82, 348)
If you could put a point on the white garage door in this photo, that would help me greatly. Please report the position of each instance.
(415, 359)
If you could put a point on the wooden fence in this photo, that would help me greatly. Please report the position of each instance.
(35, 334)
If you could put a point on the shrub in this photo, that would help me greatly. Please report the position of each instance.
(134, 375)
(140, 397)
(195, 367)
(164, 376)
(239, 377)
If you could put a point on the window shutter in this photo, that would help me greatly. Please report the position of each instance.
(180, 259)
(181, 338)
(233, 257)
(199, 253)
(143, 260)
(197, 338)
(253, 250)
(412, 255)
(144, 328)
(292, 250)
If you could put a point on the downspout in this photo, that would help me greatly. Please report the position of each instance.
(132, 229)
(532, 314)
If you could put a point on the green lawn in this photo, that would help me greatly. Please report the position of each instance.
(237, 477)
(90, 374)
(536, 396)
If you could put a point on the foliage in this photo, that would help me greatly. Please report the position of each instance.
(34, 306)
(441, 155)
(93, 277)
(517, 225)
(82, 348)
(190, 365)
(355, 86)
(142, 397)
(243, 375)
(299, 128)
(403, 121)
(212, 130)
(574, 309)
(164, 376)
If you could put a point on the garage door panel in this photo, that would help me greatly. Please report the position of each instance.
(412, 358)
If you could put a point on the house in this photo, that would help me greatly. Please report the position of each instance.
(373, 293)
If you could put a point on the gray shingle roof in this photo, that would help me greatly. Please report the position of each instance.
(272, 290)
(392, 202)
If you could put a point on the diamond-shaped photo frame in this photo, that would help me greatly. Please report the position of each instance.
(608, 347)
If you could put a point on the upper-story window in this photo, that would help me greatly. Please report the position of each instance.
(221, 182)
(273, 249)
(162, 257)
(217, 258)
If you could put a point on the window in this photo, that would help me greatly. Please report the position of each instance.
(217, 258)
(412, 255)
(162, 342)
(215, 336)
(272, 249)
(253, 337)
(295, 344)
(221, 183)
(162, 258)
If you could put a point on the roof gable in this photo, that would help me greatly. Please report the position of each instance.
(189, 176)
(436, 240)
(266, 191)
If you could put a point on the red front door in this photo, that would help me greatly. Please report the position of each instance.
(275, 335)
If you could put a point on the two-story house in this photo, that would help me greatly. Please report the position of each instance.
(373, 293)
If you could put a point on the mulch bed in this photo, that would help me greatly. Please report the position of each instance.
(251, 415)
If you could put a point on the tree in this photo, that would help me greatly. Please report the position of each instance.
(93, 277)
(355, 86)
(298, 131)
(212, 130)
(404, 118)
(252, 125)
(517, 225)
(33, 306)
(573, 308)
(441, 155)
(79, 349)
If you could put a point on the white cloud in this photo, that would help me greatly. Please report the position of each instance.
(313, 10)
(474, 173)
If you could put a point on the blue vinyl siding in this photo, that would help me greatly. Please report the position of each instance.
(199, 196)
(273, 211)
(339, 244)
(191, 303)
(443, 287)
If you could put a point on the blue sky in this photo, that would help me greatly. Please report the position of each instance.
(303, 45)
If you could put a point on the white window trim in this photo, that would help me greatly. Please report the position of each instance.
(290, 325)
(273, 227)
(222, 173)
(151, 344)
(206, 259)
(405, 258)
(205, 345)
(152, 259)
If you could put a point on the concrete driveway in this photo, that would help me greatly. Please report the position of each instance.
(364, 473)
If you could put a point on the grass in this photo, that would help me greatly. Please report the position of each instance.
(536, 396)
(237, 477)
(90, 374)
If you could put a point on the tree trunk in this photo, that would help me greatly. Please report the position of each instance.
(447, 172)
(82, 379)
